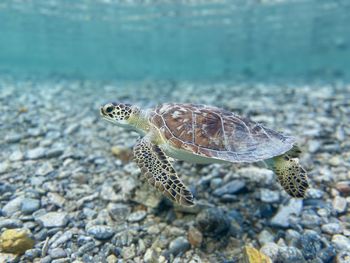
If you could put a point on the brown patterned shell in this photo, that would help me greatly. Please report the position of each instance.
(217, 133)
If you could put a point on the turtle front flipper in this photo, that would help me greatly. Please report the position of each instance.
(291, 175)
(158, 171)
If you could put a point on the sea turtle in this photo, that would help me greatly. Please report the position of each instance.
(203, 134)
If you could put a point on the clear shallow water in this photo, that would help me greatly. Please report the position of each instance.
(67, 175)
(296, 40)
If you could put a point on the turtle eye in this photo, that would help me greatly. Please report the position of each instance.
(109, 109)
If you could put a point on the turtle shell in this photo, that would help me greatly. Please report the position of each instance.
(216, 133)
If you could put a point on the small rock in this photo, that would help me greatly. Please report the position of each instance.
(34, 132)
(215, 183)
(30, 205)
(16, 156)
(327, 254)
(108, 193)
(341, 242)
(12, 206)
(154, 229)
(32, 253)
(213, 222)
(37, 181)
(315, 193)
(324, 212)
(72, 128)
(343, 187)
(7, 257)
(339, 204)
(281, 218)
(53, 219)
(332, 228)
(232, 187)
(13, 138)
(268, 196)
(119, 212)
(179, 245)
(127, 185)
(56, 199)
(5, 187)
(44, 169)
(310, 244)
(314, 146)
(67, 235)
(150, 256)
(54, 153)
(146, 197)
(343, 256)
(57, 253)
(46, 259)
(290, 255)
(141, 247)
(36, 153)
(101, 232)
(4, 167)
(310, 220)
(123, 238)
(112, 259)
(86, 247)
(265, 237)
(15, 241)
(256, 174)
(270, 250)
(292, 238)
(335, 160)
(124, 154)
(129, 252)
(252, 255)
(89, 213)
(10, 223)
(195, 237)
(137, 216)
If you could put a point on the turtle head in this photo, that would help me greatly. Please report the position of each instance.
(117, 113)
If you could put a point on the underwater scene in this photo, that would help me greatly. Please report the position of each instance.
(181, 131)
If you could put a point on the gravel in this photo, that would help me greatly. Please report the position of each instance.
(281, 218)
(57, 253)
(339, 204)
(4, 167)
(53, 219)
(30, 205)
(178, 245)
(61, 179)
(12, 206)
(332, 228)
(268, 196)
(341, 242)
(101, 232)
(310, 244)
(232, 187)
(290, 255)
(137, 216)
(10, 223)
(213, 222)
(119, 212)
(36, 153)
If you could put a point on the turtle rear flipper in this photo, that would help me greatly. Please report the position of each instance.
(159, 172)
(291, 175)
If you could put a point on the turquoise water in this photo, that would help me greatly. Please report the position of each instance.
(210, 40)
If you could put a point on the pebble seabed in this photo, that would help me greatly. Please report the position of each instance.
(68, 177)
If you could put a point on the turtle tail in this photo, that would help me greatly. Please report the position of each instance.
(290, 174)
